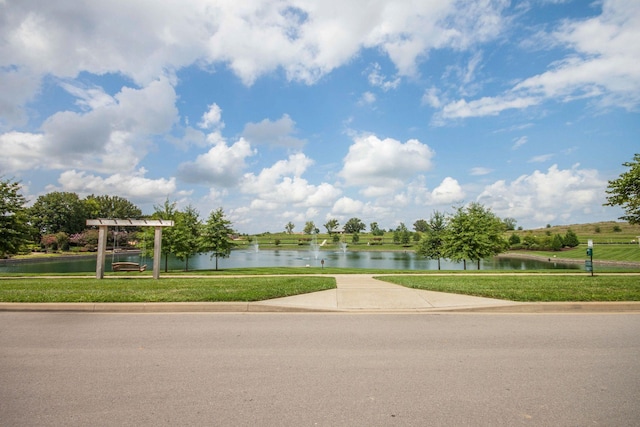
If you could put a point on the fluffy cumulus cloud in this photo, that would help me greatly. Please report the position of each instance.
(135, 187)
(282, 184)
(305, 38)
(546, 196)
(109, 133)
(380, 166)
(222, 165)
(602, 65)
(277, 133)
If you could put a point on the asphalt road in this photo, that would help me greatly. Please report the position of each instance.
(78, 369)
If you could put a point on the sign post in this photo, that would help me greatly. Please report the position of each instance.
(589, 263)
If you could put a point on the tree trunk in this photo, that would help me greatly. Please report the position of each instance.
(464, 262)
(438, 263)
(216, 262)
(478, 264)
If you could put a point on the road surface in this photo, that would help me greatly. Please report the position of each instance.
(192, 369)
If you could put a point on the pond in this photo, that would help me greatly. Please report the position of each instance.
(286, 258)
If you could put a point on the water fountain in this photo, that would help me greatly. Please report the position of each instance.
(254, 245)
(314, 247)
(343, 247)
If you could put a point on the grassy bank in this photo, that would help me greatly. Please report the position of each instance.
(166, 290)
(529, 287)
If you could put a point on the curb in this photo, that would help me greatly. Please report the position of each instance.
(260, 307)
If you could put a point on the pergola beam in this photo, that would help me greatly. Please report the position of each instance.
(104, 224)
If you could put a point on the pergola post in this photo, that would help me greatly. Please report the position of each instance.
(103, 225)
(157, 253)
(102, 249)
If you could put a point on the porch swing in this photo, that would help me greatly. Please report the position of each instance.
(127, 266)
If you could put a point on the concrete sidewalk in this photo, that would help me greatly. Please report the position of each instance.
(361, 292)
(354, 293)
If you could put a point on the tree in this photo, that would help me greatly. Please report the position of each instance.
(509, 224)
(186, 232)
(331, 225)
(354, 226)
(289, 227)
(165, 211)
(421, 226)
(355, 238)
(58, 211)
(215, 236)
(14, 228)
(309, 227)
(571, 239)
(111, 207)
(431, 245)
(556, 243)
(375, 230)
(474, 233)
(402, 234)
(625, 191)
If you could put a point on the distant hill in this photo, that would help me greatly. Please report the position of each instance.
(599, 232)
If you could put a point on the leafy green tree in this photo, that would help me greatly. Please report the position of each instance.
(14, 227)
(331, 225)
(514, 239)
(58, 211)
(215, 237)
(165, 211)
(474, 233)
(402, 235)
(186, 230)
(289, 227)
(111, 207)
(571, 239)
(421, 226)
(309, 227)
(625, 191)
(509, 224)
(354, 226)
(355, 238)
(556, 243)
(375, 230)
(431, 244)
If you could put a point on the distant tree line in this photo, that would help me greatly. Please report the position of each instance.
(57, 221)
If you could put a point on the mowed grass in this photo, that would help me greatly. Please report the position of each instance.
(165, 290)
(620, 253)
(530, 288)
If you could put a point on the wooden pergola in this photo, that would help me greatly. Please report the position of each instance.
(104, 224)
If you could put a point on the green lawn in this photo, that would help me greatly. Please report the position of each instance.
(603, 252)
(165, 290)
(530, 287)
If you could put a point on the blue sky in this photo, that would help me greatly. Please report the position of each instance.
(304, 110)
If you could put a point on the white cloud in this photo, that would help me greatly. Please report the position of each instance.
(541, 158)
(135, 187)
(222, 165)
(545, 196)
(449, 191)
(479, 171)
(377, 79)
(367, 98)
(212, 118)
(307, 39)
(282, 185)
(21, 151)
(603, 66)
(519, 142)
(346, 206)
(275, 133)
(17, 87)
(381, 166)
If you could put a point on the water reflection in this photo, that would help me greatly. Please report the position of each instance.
(290, 258)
